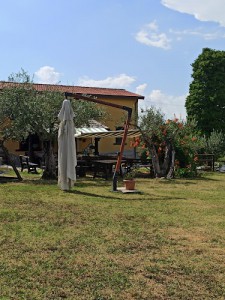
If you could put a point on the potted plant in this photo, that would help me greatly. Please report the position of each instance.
(129, 179)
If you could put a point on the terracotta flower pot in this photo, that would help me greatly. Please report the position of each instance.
(129, 184)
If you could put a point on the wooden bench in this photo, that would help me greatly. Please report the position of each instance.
(26, 164)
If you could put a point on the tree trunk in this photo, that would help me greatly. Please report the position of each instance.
(10, 161)
(167, 160)
(170, 174)
(167, 157)
(155, 161)
(166, 168)
(30, 148)
(50, 164)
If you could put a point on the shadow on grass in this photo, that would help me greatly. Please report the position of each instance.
(206, 179)
(185, 181)
(142, 196)
(127, 197)
(39, 181)
(8, 179)
(79, 183)
(150, 197)
(92, 195)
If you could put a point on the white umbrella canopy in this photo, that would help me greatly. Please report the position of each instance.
(67, 159)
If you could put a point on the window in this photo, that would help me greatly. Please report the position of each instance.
(32, 141)
(118, 140)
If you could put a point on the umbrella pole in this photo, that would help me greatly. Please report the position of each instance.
(119, 159)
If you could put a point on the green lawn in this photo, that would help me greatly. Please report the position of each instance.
(91, 243)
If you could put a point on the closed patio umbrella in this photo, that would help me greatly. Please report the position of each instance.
(67, 160)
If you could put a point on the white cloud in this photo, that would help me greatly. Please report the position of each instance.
(199, 33)
(149, 35)
(141, 89)
(202, 10)
(120, 81)
(169, 105)
(47, 74)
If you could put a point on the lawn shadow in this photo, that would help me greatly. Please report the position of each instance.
(142, 196)
(151, 197)
(80, 182)
(160, 198)
(92, 195)
(39, 181)
(205, 179)
(87, 183)
(184, 181)
(8, 179)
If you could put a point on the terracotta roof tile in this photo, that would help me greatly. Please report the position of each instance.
(78, 90)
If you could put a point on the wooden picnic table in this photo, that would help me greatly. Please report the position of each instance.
(82, 167)
(105, 167)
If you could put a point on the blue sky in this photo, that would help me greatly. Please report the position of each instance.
(144, 46)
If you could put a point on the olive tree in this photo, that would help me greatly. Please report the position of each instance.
(26, 111)
(170, 143)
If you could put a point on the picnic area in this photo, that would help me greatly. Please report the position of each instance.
(69, 228)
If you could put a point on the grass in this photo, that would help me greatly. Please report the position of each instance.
(91, 243)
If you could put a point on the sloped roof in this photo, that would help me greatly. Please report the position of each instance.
(97, 91)
(95, 124)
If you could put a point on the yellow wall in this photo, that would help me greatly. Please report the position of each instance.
(115, 117)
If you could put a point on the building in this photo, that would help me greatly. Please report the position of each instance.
(109, 144)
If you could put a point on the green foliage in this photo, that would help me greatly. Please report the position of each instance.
(86, 111)
(188, 172)
(21, 77)
(25, 111)
(188, 142)
(151, 120)
(215, 144)
(171, 143)
(144, 156)
(131, 174)
(205, 102)
(17, 103)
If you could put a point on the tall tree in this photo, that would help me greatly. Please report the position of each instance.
(206, 100)
(25, 111)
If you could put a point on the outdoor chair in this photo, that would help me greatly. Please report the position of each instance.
(26, 164)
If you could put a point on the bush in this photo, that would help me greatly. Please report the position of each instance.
(186, 172)
(215, 144)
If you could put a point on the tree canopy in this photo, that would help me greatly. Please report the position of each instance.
(206, 100)
(26, 111)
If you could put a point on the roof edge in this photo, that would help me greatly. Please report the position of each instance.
(100, 91)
